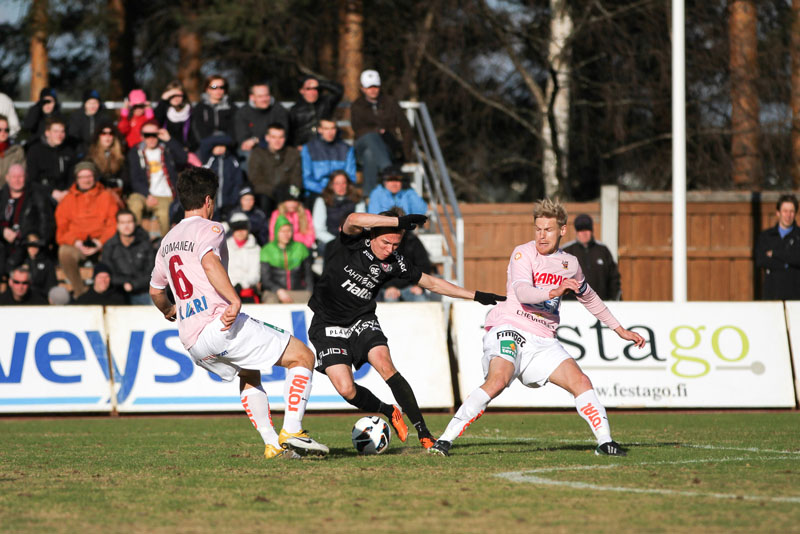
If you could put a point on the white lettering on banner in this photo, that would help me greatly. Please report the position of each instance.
(66, 368)
(696, 355)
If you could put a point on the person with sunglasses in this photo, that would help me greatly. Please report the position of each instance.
(10, 153)
(214, 112)
(19, 291)
(318, 98)
(46, 107)
(107, 152)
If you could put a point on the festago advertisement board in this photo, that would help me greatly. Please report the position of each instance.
(701, 354)
(152, 371)
(53, 360)
(793, 325)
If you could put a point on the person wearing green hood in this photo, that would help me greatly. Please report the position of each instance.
(286, 275)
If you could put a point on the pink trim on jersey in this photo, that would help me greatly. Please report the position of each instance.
(178, 262)
(530, 277)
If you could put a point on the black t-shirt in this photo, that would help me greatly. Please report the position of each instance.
(352, 278)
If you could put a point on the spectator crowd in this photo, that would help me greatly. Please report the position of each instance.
(93, 192)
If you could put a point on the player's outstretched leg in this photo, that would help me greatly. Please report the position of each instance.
(341, 376)
(256, 406)
(569, 376)
(296, 390)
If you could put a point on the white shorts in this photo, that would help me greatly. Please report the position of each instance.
(534, 358)
(249, 344)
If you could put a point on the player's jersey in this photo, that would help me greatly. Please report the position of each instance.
(352, 278)
(542, 317)
(178, 264)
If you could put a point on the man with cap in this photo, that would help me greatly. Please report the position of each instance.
(101, 292)
(244, 265)
(394, 192)
(129, 255)
(596, 261)
(311, 106)
(380, 128)
(85, 220)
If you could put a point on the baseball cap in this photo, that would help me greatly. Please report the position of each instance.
(247, 190)
(370, 78)
(392, 172)
(239, 221)
(583, 222)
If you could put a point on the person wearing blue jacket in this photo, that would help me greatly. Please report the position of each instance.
(218, 153)
(323, 155)
(393, 192)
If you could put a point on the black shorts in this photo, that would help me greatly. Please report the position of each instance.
(349, 345)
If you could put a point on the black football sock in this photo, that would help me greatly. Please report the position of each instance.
(408, 402)
(366, 401)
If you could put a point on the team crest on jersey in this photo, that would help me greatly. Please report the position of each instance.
(374, 270)
(508, 347)
(565, 264)
(518, 255)
(386, 267)
(216, 229)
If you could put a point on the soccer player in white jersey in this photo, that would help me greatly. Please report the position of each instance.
(193, 261)
(520, 340)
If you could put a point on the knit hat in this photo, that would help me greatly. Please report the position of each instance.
(47, 92)
(583, 222)
(101, 268)
(83, 165)
(90, 94)
(392, 172)
(137, 97)
(246, 190)
(370, 78)
(239, 221)
(287, 192)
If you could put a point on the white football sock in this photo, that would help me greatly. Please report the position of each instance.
(468, 413)
(594, 413)
(296, 390)
(256, 404)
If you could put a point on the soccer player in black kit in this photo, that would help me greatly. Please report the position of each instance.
(345, 330)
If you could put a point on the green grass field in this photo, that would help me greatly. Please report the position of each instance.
(715, 472)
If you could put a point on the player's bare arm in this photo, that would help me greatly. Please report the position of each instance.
(443, 287)
(160, 299)
(630, 336)
(358, 222)
(218, 278)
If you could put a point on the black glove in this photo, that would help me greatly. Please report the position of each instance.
(409, 222)
(488, 299)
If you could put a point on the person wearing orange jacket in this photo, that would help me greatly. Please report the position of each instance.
(85, 220)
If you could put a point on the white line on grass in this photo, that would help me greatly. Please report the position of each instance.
(530, 477)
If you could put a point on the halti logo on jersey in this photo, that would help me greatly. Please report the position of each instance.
(508, 348)
(547, 278)
(192, 307)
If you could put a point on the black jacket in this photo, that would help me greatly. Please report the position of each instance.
(208, 118)
(43, 273)
(304, 117)
(782, 270)
(175, 158)
(33, 298)
(252, 122)
(50, 166)
(132, 264)
(598, 267)
(180, 131)
(83, 128)
(37, 212)
(110, 297)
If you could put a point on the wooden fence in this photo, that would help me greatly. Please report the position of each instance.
(720, 235)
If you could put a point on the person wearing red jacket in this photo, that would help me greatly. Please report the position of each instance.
(85, 220)
(133, 115)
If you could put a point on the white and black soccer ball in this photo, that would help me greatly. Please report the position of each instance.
(371, 435)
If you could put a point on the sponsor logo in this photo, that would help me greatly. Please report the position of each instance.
(296, 388)
(518, 255)
(360, 292)
(366, 251)
(358, 277)
(518, 339)
(192, 307)
(374, 270)
(565, 264)
(276, 328)
(333, 351)
(216, 229)
(338, 331)
(508, 348)
(541, 279)
(386, 267)
(592, 415)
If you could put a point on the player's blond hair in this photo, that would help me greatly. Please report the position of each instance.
(550, 209)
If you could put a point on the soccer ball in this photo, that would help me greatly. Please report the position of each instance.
(371, 435)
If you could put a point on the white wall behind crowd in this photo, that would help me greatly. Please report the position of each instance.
(715, 355)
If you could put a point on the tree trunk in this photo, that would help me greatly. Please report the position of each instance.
(120, 50)
(555, 117)
(39, 74)
(744, 97)
(351, 44)
(795, 55)
(190, 48)
(408, 85)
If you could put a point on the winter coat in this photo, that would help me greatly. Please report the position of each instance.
(259, 224)
(598, 267)
(83, 128)
(270, 170)
(381, 200)
(36, 215)
(288, 268)
(132, 264)
(782, 270)
(244, 263)
(208, 118)
(131, 126)
(180, 131)
(43, 272)
(321, 158)
(387, 115)
(35, 118)
(110, 297)
(226, 167)
(307, 238)
(89, 213)
(50, 166)
(252, 122)
(33, 298)
(174, 160)
(304, 116)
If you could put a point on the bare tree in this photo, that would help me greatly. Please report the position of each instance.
(120, 49)
(351, 43)
(39, 73)
(190, 49)
(795, 94)
(744, 95)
